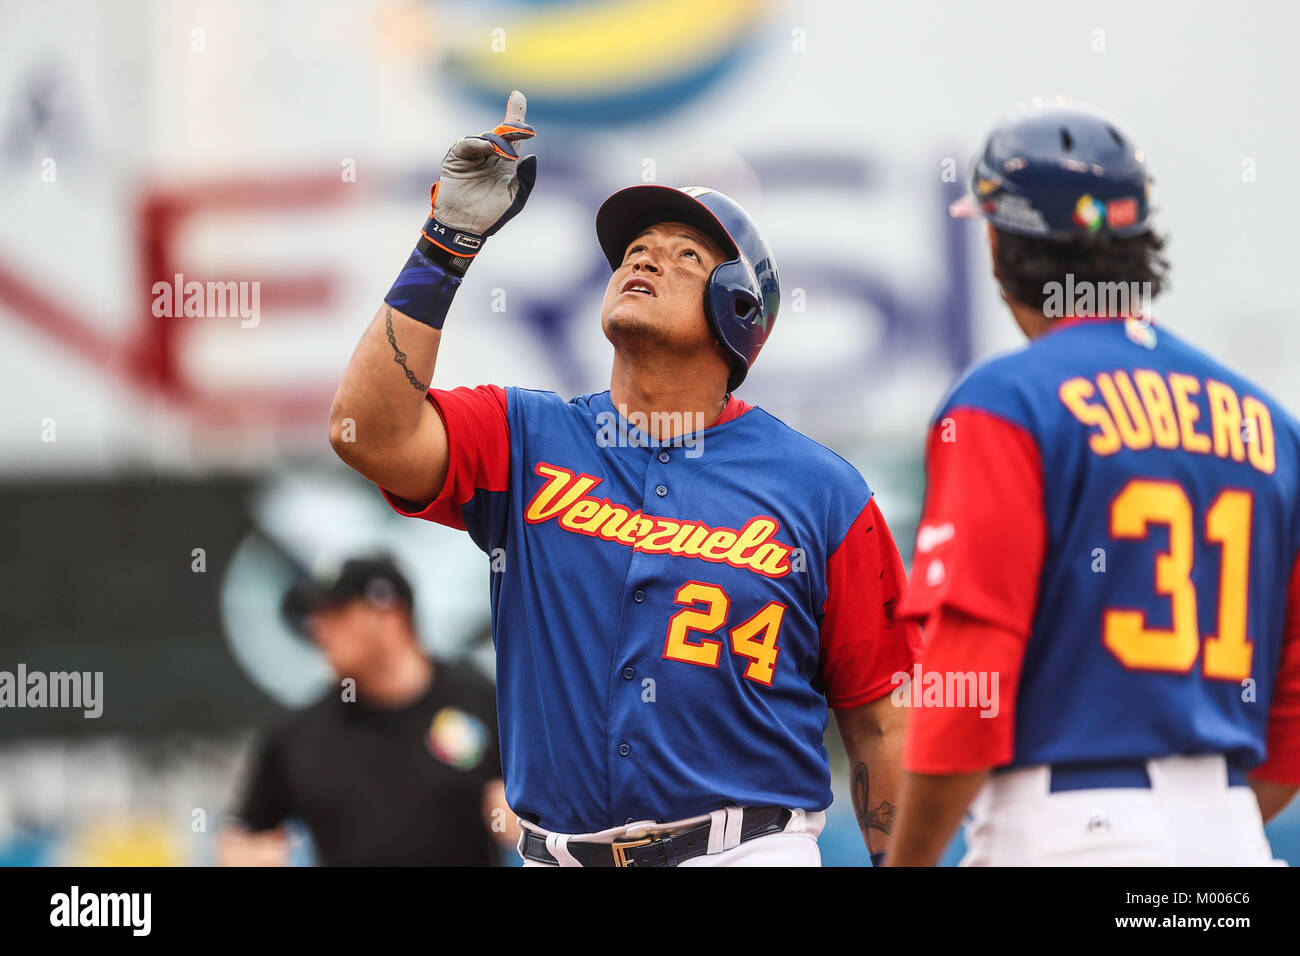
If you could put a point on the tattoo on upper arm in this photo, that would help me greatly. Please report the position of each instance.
(880, 818)
(398, 355)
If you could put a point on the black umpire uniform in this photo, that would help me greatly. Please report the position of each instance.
(381, 786)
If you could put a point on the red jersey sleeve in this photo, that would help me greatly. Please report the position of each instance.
(478, 437)
(975, 572)
(964, 739)
(1282, 761)
(863, 645)
(983, 531)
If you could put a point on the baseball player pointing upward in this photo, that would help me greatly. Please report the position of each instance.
(685, 581)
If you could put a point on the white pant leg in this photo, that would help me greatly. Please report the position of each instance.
(1189, 817)
(797, 846)
(776, 849)
(1213, 824)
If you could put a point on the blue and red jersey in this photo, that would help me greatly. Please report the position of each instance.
(1120, 514)
(671, 620)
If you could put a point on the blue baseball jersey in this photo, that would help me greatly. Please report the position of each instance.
(671, 619)
(1127, 510)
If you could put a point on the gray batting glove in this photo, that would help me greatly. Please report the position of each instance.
(483, 185)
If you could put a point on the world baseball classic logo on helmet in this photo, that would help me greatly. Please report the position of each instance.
(1059, 172)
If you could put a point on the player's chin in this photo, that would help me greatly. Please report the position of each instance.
(628, 318)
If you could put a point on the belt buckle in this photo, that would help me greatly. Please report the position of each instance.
(621, 846)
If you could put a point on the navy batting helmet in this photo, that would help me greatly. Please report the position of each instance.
(1060, 172)
(742, 294)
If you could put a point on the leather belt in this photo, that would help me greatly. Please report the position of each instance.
(1116, 774)
(657, 849)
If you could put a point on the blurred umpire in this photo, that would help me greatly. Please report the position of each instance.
(396, 766)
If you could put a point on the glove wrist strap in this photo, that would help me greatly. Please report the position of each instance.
(454, 249)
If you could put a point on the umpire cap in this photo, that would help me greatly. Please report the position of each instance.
(375, 579)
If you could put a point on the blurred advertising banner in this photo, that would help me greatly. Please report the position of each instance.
(97, 586)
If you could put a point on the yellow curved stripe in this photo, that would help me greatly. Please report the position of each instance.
(589, 47)
(125, 842)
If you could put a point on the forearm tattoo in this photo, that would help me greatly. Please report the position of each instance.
(880, 818)
(398, 355)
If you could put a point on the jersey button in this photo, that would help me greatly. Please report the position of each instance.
(629, 673)
(629, 821)
(665, 457)
(661, 490)
(639, 596)
(624, 750)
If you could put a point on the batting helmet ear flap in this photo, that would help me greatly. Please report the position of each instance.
(737, 366)
(735, 310)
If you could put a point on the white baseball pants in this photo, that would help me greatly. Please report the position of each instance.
(1189, 816)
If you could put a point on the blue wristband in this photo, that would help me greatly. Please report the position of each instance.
(423, 290)
(878, 859)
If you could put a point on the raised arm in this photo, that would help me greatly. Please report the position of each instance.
(380, 423)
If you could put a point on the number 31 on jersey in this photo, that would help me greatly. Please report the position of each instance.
(1228, 653)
